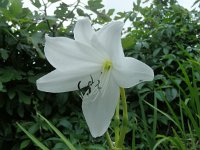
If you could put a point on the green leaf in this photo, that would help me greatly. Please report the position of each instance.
(36, 39)
(24, 144)
(80, 12)
(138, 46)
(138, 2)
(110, 12)
(53, 1)
(7, 74)
(1, 86)
(145, 44)
(62, 98)
(156, 52)
(62, 11)
(4, 3)
(11, 93)
(20, 110)
(95, 5)
(127, 42)
(16, 7)
(160, 95)
(65, 123)
(34, 128)
(197, 1)
(4, 53)
(166, 50)
(171, 94)
(36, 3)
(60, 146)
(24, 98)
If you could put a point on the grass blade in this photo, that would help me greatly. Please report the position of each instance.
(166, 115)
(192, 119)
(33, 138)
(155, 115)
(160, 142)
(192, 138)
(178, 141)
(65, 140)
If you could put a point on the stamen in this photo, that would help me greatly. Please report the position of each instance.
(104, 80)
(98, 84)
(92, 79)
(79, 88)
(96, 88)
(89, 87)
(92, 92)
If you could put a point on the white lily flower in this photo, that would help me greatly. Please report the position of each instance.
(94, 60)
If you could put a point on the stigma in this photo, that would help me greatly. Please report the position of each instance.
(107, 65)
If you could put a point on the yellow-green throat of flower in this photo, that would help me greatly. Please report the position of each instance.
(107, 65)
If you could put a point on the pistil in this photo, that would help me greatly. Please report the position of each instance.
(107, 65)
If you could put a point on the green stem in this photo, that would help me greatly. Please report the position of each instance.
(117, 122)
(124, 127)
(110, 144)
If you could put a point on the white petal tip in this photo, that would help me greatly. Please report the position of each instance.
(97, 133)
(39, 85)
(151, 74)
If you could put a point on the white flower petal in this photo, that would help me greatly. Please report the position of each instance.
(62, 52)
(99, 112)
(83, 31)
(59, 81)
(132, 72)
(109, 39)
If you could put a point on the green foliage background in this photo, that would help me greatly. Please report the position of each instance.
(164, 35)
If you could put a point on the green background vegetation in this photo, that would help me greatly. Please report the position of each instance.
(163, 114)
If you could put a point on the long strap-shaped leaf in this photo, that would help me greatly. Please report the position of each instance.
(33, 138)
(65, 140)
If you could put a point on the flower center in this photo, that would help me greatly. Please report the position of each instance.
(107, 65)
(96, 87)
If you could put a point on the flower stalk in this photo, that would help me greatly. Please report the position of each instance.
(117, 122)
(109, 141)
(124, 127)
